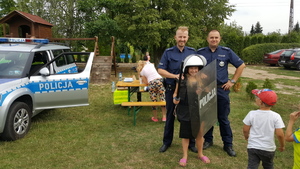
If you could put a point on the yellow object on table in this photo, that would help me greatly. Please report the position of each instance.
(120, 96)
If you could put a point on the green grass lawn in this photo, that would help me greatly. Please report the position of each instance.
(102, 135)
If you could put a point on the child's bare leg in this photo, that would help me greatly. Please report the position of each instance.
(154, 117)
(163, 110)
(185, 145)
(201, 156)
(154, 113)
(199, 142)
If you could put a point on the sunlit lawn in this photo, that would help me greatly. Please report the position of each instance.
(102, 135)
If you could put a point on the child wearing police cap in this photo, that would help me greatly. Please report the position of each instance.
(259, 128)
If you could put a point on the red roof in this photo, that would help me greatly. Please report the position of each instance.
(32, 18)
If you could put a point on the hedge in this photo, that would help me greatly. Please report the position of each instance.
(254, 54)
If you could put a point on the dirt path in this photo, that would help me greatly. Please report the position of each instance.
(253, 73)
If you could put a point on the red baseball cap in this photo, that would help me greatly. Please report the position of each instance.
(267, 96)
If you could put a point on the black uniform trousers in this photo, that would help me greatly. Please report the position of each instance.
(223, 112)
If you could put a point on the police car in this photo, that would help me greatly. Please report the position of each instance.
(36, 75)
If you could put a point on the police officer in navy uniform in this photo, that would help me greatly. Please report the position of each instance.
(169, 67)
(224, 56)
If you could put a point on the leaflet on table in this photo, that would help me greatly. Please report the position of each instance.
(128, 79)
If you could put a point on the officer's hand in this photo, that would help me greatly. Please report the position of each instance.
(175, 101)
(227, 85)
(176, 76)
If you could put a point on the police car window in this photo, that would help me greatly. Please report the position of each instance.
(61, 61)
(70, 59)
(57, 52)
(64, 59)
(12, 64)
(39, 59)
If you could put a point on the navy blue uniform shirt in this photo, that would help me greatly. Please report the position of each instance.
(171, 61)
(224, 56)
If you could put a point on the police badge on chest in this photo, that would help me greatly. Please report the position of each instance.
(221, 63)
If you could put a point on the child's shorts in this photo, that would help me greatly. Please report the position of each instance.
(185, 130)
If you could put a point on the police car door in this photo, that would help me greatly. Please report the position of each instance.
(62, 90)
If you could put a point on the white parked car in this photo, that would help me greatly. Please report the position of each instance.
(36, 75)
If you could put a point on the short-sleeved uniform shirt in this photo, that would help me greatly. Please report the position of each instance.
(296, 144)
(223, 55)
(171, 61)
(263, 124)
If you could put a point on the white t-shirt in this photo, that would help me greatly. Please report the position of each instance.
(263, 124)
(150, 72)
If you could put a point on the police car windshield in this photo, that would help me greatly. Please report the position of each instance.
(12, 64)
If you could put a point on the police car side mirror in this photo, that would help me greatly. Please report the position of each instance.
(44, 71)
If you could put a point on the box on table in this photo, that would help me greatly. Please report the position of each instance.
(120, 96)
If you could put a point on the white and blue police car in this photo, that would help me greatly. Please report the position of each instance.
(36, 75)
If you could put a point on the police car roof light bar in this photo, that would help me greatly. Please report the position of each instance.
(23, 40)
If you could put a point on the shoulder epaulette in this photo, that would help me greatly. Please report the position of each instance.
(190, 48)
(226, 48)
(201, 49)
(169, 49)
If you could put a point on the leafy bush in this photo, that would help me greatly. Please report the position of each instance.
(237, 86)
(267, 84)
(247, 41)
(250, 86)
(126, 59)
(118, 59)
(133, 59)
(254, 53)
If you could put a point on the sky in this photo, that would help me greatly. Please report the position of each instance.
(273, 15)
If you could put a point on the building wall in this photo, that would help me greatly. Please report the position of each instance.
(44, 31)
(37, 30)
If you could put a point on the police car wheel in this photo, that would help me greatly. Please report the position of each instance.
(18, 122)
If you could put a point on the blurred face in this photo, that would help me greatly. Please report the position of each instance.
(181, 38)
(213, 39)
(258, 102)
(193, 70)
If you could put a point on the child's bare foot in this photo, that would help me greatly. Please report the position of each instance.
(204, 159)
(183, 162)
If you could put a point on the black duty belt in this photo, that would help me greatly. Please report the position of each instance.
(220, 85)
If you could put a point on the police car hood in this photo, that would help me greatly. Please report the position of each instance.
(8, 85)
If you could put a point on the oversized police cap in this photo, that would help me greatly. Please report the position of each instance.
(194, 60)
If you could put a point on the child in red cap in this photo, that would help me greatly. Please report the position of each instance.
(259, 128)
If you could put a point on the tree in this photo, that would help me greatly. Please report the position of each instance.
(144, 24)
(297, 28)
(232, 37)
(252, 31)
(151, 24)
(275, 37)
(254, 40)
(247, 41)
(258, 28)
(63, 14)
(6, 7)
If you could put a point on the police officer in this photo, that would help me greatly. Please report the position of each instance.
(224, 56)
(169, 68)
